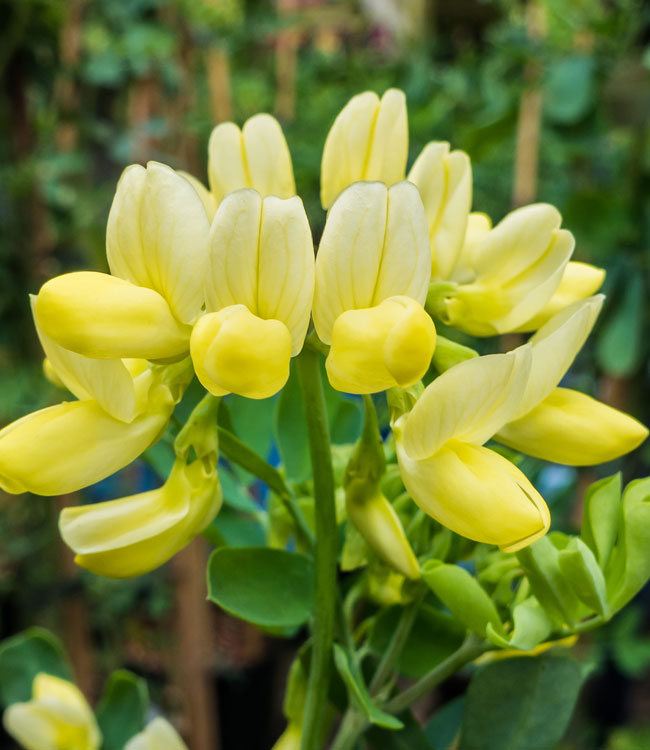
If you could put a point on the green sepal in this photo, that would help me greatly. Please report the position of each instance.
(531, 626)
(449, 353)
(580, 568)
(629, 566)
(601, 517)
(463, 596)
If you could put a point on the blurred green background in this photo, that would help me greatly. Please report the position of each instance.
(551, 99)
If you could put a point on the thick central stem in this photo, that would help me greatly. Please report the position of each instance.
(325, 550)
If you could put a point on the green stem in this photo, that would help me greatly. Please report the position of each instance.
(351, 727)
(471, 649)
(399, 638)
(325, 549)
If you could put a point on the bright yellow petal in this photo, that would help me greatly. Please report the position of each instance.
(468, 402)
(569, 427)
(105, 380)
(554, 347)
(476, 493)
(133, 535)
(268, 160)
(234, 351)
(374, 246)
(445, 183)
(579, 280)
(175, 231)
(75, 444)
(101, 316)
(285, 267)
(381, 347)
(345, 153)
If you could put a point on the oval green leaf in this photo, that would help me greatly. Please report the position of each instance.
(268, 587)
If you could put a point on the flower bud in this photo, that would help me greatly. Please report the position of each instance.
(234, 351)
(381, 347)
(368, 141)
(257, 156)
(56, 717)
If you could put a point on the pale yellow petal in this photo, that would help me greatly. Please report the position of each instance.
(468, 402)
(477, 493)
(374, 246)
(159, 734)
(104, 317)
(579, 280)
(478, 225)
(554, 347)
(345, 154)
(268, 160)
(175, 240)
(285, 267)
(569, 427)
(124, 244)
(445, 183)
(227, 169)
(349, 255)
(65, 447)
(388, 147)
(233, 257)
(31, 727)
(207, 199)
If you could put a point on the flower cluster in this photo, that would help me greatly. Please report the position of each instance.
(224, 282)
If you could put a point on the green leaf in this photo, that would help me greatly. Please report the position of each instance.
(122, 711)
(268, 587)
(601, 515)
(351, 676)
(520, 704)
(234, 529)
(290, 430)
(253, 421)
(463, 595)
(235, 493)
(569, 89)
(410, 737)
(541, 565)
(434, 636)
(22, 657)
(580, 568)
(442, 729)
(620, 344)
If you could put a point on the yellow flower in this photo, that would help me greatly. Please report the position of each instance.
(466, 487)
(504, 276)
(445, 183)
(56, 718)
(156, 244)
(368, 141)
(559, 424)
(133, 535)
(258, 293)
(372, 274)
(123, 408)
(257, 156)
(159, 734)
